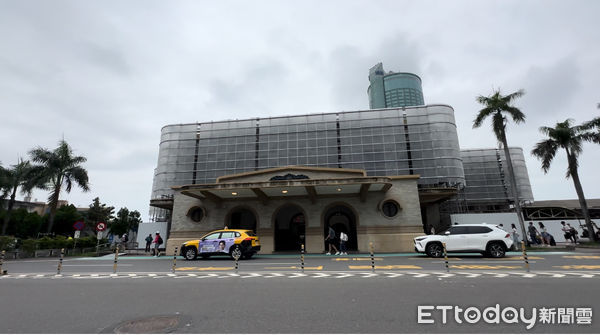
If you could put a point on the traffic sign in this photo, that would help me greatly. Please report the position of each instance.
(101, 226)
(77, 233)
(78, 225)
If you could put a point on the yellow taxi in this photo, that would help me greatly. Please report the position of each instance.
(237, 243)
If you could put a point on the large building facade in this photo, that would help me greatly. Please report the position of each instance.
(384, 175)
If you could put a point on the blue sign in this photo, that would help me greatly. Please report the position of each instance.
(78, 225)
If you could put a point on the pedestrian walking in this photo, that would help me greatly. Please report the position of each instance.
(124, 240)
(330, 239)
(515, 236)
(148, 240)
(567, 232)
(157, 242)
(544, 233)
(533, 233)
(343, 240)
(573, 232)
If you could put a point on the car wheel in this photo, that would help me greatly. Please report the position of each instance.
(235, 252)
(190, 253)
(434, 250)
(496, 250)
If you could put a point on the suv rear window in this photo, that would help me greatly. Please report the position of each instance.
(478, 230)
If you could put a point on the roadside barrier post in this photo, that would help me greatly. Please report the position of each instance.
(62, 254)
(302, 258)
(116, 257)
(372, 258)
(174, 260)
(525, 255)
(237, 257)
(1, 262)
(446, 257)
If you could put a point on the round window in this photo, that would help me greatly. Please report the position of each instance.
(196, 214)
(390, 208)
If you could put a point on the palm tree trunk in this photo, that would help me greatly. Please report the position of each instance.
(579, 189)
(9, 208)
(53, 204)
(513, 188)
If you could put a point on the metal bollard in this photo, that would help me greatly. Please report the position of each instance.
(116, 257)
(1, 262)
(302, 258)
(446, 257)
(372, 258)
(174, 260)
(236, 260)
(62, 254)
(525, 255)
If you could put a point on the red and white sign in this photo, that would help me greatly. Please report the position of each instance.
(101, 226)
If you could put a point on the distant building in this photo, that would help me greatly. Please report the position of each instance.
(393, 89)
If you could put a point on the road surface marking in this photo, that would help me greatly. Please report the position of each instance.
(358, 259)
(320, 275)
(204, 269)
(577, 267)
(274, 275)
(582, 257)
(384, 267)
(393, 275)
(320, 267)
(485, 267)
(343, 275)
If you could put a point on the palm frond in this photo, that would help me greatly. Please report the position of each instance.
(545, 151)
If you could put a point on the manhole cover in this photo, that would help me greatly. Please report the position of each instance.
(154, 324)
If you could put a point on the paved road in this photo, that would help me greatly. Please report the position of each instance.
(270, 293)
(538, 261)
(281, 305)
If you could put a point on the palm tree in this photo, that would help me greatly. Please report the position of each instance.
(566, 136)
(57, 168)
(496, 106)
(18, 176)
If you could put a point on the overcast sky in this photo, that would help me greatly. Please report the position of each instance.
(107, 75)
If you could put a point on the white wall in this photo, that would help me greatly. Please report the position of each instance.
(553, 226)
(146, 228)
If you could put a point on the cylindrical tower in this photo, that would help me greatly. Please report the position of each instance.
(389, 90)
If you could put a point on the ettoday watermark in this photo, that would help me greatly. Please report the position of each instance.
(507, 315)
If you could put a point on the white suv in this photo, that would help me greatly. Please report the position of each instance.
(484, 238)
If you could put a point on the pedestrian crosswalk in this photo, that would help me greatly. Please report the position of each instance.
(309, 275)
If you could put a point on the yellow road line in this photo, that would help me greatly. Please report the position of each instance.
(583, 257)
(384, 267)
(486, 267)
(191, 268)
(320, 267)
(578, 267)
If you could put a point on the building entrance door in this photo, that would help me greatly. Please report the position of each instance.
(290, 228)
(341, 219)
(241, 218)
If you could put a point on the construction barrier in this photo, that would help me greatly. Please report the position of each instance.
(302, 258)
(446, 257)
(60, 260)
(372, 257)
(116, 257)
(525, 255)
(174, 260)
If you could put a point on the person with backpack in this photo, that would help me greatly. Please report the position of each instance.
(148, 240)
(157, 242)
(343, 240)
(330, 239)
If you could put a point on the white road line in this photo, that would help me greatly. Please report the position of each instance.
(320, 275)
(343, 275)
(251, 275)
(497, 274)
(367, 275)
(393, 275)
(444, 275)
(470, 274)
(524, 274)
(274, 275)
(581, 274)
(418, 275)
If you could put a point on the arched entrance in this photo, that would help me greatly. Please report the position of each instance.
(290, 226)
(241, 218)
(342, 219)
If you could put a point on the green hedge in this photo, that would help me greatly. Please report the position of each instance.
(8, 243)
